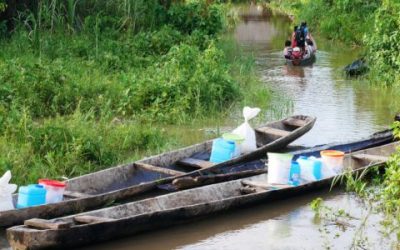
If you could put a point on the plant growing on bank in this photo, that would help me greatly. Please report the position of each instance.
(383, 42)
(85, 82)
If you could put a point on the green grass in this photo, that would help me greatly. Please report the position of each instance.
(91, 84)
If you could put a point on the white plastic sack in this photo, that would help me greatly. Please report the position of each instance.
(6, 191)
(246, 131)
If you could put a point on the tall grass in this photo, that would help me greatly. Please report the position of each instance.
(84, 82)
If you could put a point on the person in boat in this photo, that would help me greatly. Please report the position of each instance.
(287, 52)
(297, 54)
(294, 44)
(310, 46)
(308, 51)
(304, 29)
(300, 38)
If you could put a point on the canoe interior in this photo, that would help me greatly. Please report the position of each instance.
(171, 209)
(129, 175)
(212, 193)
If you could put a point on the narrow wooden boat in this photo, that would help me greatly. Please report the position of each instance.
(175, 208)
(304, 61)
(129, 180)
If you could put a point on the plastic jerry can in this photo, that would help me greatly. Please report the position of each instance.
(222, 150)
(294, 174)
(31, 195)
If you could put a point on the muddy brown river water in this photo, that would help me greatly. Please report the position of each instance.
(346, 109)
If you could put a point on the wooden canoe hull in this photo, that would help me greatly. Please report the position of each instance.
(175, 208)
(15, 217)
(302, 62)
(129, 180)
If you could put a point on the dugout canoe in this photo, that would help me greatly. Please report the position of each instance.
(305, 61)
(127, 181)
(175, 208)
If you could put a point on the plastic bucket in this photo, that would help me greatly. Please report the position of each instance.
(222, 150)
(333, 159)
(279, 166)
(55, 190)
(238, 139)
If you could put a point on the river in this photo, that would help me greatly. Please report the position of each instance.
(346, 109)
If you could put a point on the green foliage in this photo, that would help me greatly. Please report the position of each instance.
(391, 183)
(197, 15)
(337, 19)
(83, 82)
(383, 44)
(3, 5)
(70, 145)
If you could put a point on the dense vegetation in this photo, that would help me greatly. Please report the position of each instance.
(372, 24)
(84, 82)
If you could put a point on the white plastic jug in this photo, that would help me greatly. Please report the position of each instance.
(279, 168)
(246, 131)
(6, 190)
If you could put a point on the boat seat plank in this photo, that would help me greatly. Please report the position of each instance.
(369, 157)
(89, 219)
(196, 163)
(295, 122)
(73, 194)
(152, 168)
(45, 224)
(273, 131)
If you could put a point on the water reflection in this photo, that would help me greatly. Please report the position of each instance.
(293, 71)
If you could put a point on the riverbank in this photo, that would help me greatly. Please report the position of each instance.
(83, 91)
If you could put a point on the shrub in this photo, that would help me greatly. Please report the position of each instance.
(196, 15)
(383, 44)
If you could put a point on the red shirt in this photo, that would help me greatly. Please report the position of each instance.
(294, 43)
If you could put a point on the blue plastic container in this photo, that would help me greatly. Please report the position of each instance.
(317, 169)
(311, 165)
(31, 195)
(294, 177)
(222, 150)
